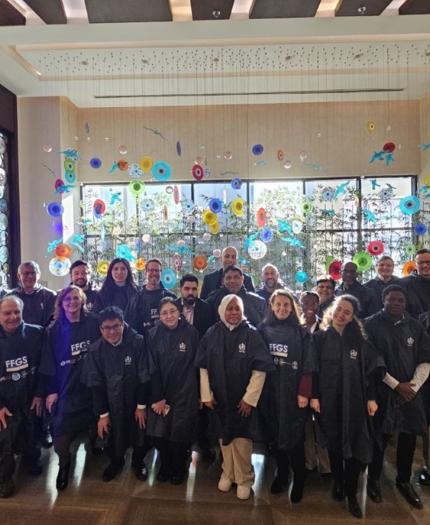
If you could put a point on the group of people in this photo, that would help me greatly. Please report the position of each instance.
(327, 377)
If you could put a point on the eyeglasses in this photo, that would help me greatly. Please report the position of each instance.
(420, 263)
(111, 328)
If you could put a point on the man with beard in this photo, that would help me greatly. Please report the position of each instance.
(350, 285)
(213, 281)
(270, 282)
(20, 392)
(196, 311)
(199, 314)
(233, 283)
(38, 301)
(80, 274)
(405, 348)
(150, 296)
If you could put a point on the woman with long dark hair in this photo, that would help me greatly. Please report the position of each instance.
(119, 289)
(174, 390)
(344, 395)
(289, 388)
(67, 399)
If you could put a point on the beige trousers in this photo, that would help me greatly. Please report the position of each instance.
(237, 466)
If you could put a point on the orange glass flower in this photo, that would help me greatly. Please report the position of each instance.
(63, 250)
(200, 263)
(408, 268)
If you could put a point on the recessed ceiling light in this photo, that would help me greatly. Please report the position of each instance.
(362, 9)
(216, 13)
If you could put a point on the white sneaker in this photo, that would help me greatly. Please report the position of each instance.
(224, 484)
(243, 491)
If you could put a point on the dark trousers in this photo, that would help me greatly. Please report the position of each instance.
(345, 471)
(20, 436)
(406, 444)
(173, 456)
(294, 458)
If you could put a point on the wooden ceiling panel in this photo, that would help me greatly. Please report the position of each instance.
(415, 7)
(361, 7)
(211, 9)
(9, 16)
(110, 11)
(50, 11)
(284, 9)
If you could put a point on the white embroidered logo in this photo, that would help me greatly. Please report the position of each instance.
(410, 341)
(182, 347)
(127, 360)
(242, 348)
(295, 365)
(353, 354)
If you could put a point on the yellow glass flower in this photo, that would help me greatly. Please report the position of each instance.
(209, 217)
(139, 264)
(146, 164)
(214, 228)
(102, 267)
(237, 207)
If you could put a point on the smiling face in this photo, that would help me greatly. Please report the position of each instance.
(385, 269)
(325, 290)
(233, 281)
(343, 314)
(10, 315)
(423, 265)
(80, 275)
(229, 257)
(169, 315)
(72, 303)
(233, 313)
(270, 276)
(28, 277)
(153, 274)
(119, 273)
(309, 304)
(281, 307)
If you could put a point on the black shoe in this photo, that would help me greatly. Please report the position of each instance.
(297, 492)
(374, 490)
(163, 475)
(177, 480)
(278, 486)
(424, 477)
(7, 489)
(63, 477)
(354, 507)
(113, 469)
(338, 491)
(34, 468)
(408, 492)
(141, 471)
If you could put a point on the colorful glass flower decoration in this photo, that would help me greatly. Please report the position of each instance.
(122, 165)
(421, 228)
(136, 187)
(408, 268)
(135, 171)
(209, 217)
(200, 263)
(102, 267)
(389, 147)
(148, 205)
(59, 266)
(95, 163)
(327, 194)
(139, 264)
(335, 270)
(410, 249)
(261, 217)
(280, 155)
(198, 172)
(99, 208)
(410, 205)
(257, 249)
(215, 205)
(307, 207)
(257, 149)
(363, 261)
(301, 276)
(161, 171)
(266, 235)
(146, 164)
(55, 209)
(375, 247)
(237, 207)
(236, 183)
(63, 250)
(168, 278)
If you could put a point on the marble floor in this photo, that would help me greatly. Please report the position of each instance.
(88, 500)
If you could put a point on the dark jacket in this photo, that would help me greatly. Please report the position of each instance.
(149, 305)
(213, 281)
(255, 306)
(403, 345)
(365, 296)
(230, 357)
(38, 305)
(124, 297)
(377, 286)
(204, 315)
(174, 379)
(291, 348)
(418, 293)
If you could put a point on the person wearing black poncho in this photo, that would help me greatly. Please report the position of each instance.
(405, 347)
(344, 396)
(289, 389)
(174, 390)
(117, 370)
(233, 361)
(67, 399)
(20, 392)
(120, 290)
(384, 278)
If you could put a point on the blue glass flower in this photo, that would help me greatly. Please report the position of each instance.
(95, 163)
(301, 276)
(421, 229)
(215, 205)
(410, 205)
(236, 183)
(161, 171)
(266, 235)
(55, 209)
(148, 204)
(257, 149)
(168, 278)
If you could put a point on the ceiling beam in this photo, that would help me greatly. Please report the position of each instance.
(76, 11)
(241, 9)
(181, 10)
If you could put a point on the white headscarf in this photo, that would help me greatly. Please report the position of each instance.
(223, 307)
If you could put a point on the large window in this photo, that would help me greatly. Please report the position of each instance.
(299, 225)
(4, 214)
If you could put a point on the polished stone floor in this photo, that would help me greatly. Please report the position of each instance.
(88, 500)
